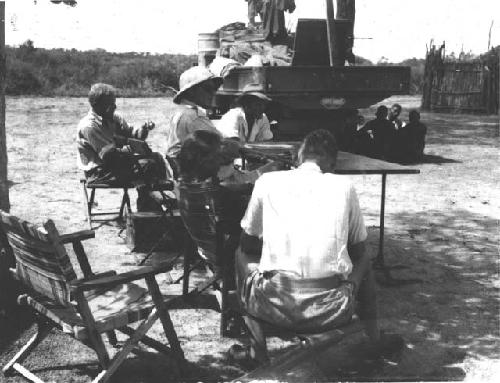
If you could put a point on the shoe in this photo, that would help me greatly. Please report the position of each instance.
(241, 355)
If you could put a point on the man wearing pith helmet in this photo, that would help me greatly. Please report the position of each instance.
(196, 94)
(247, 122)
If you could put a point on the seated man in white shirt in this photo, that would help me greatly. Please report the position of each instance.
(302, 262)
(247, 122)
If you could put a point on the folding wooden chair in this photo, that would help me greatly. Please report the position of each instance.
(258, 330)
(88, 307)
(90, 202)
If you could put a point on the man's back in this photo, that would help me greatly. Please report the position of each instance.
(309, 219)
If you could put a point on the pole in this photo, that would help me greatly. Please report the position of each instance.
(330, 27)
(4, 187)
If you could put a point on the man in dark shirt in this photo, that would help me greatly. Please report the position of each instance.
(374, 138)
(412, 139)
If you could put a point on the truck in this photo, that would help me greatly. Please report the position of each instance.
(317, 91)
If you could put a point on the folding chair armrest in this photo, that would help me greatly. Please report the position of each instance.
(119, 279)
(77, 236)
(92, 277)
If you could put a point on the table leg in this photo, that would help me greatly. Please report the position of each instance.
(379, 263)
(380, 255)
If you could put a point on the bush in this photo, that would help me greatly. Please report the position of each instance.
(60, 72)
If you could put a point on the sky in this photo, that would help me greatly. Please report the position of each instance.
(394, 29)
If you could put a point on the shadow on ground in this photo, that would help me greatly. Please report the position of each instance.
(447, 320)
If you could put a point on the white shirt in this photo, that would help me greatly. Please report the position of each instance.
(233, 124)
(306, 219)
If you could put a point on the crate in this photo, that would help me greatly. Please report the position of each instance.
(148, 230)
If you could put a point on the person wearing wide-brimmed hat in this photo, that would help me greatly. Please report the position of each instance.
(247, 122)
(196, 94)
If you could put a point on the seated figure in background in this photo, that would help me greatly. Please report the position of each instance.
(412, 139)
(304, 268)
(393, 116)
(103, 151)
(373, 139)
(247, 122)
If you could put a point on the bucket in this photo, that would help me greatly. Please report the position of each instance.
(208, 45)
(208, 42)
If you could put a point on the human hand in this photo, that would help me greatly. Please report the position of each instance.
(149, 125)
(143, 132)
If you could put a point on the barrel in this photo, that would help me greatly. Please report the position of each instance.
(208, 44)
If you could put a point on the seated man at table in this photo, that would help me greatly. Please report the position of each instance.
(103, 153)
(302, 263)
(247, 122)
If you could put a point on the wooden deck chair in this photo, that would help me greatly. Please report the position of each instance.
(88, 307)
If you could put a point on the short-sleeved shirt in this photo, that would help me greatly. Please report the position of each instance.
(233, 124)
(187, 119)
(93, 134)
(306, 219)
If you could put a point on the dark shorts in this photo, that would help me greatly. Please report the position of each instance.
(125, 168)
(301, 305)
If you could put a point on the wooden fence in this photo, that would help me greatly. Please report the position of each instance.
(463, 86)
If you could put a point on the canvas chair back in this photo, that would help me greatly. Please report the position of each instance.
(42, 263)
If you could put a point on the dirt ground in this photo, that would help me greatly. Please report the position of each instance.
(442, 224)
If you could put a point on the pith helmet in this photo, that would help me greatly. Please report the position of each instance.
(194, 76)
(255, 90)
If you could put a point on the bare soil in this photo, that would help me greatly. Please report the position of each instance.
(442, 224)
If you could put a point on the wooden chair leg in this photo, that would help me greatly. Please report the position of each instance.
(224, 297)
(113, 365)
(95, 339)
(88, 206)
(125, 202)
(257, 339)
(166, 322)
(43, 329)
(112, 338)
(91, 205)
(188, 252)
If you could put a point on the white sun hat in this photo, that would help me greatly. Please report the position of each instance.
(195, 76)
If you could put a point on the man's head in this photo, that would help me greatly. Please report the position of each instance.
(253, 100)
(198, 85)
(102, 99)
(320, 147)
(395, 111)
(414, 116)
(200, 158)
(381, 112)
